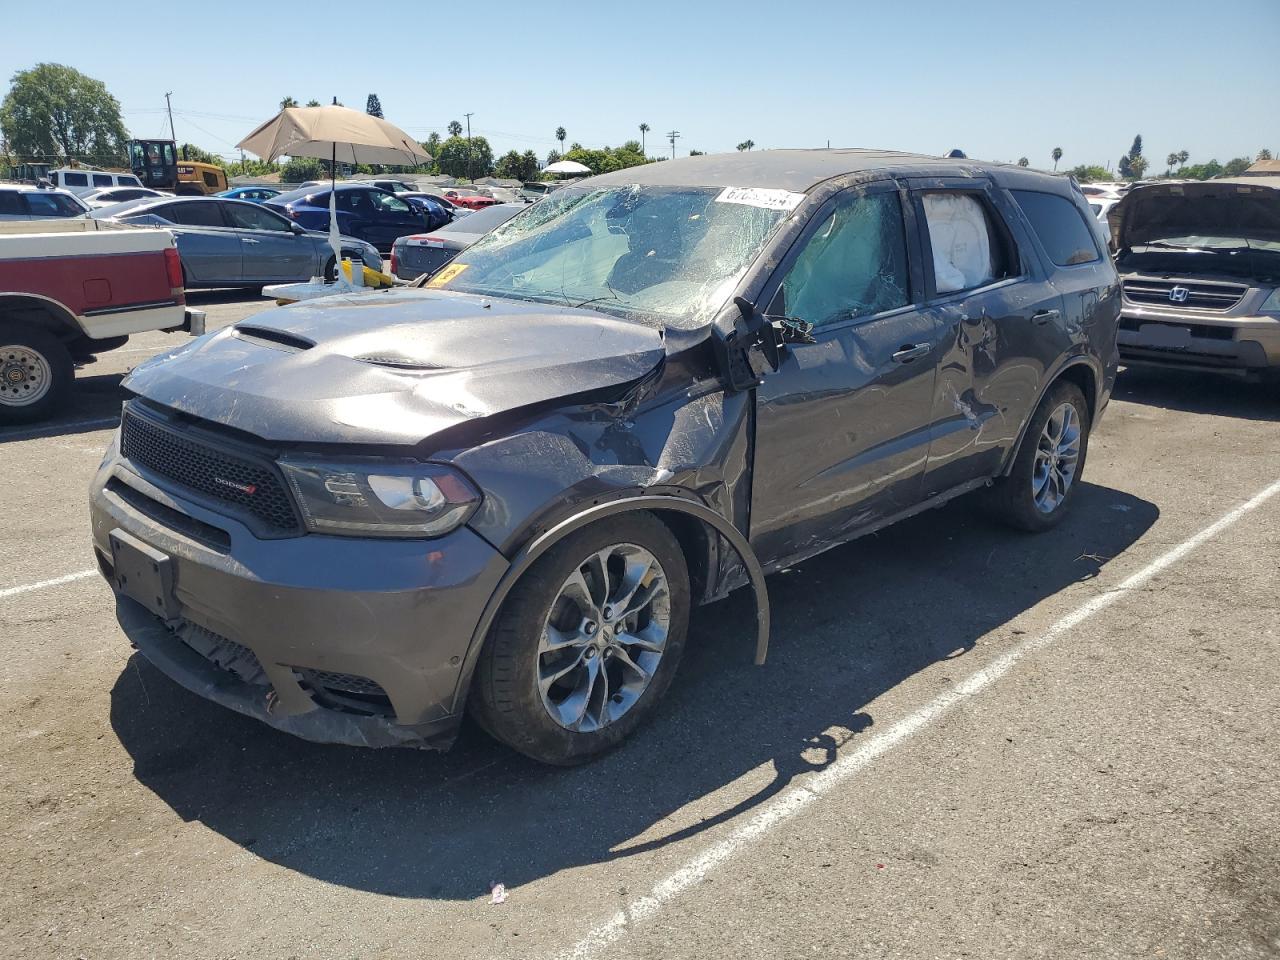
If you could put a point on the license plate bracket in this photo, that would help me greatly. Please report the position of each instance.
(1165, 335)
(144, 574)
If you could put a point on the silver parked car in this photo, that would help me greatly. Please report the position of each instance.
(231, 243)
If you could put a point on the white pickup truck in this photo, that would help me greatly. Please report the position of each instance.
(71, 289)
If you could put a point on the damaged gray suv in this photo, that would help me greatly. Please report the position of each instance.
(501, 491)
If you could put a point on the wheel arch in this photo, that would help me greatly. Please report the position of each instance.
(41, 311)
(691, 522)
(1079, 370)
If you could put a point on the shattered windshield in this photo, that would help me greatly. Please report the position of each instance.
(661, 255)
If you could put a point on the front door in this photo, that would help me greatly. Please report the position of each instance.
(842, 425)
(272, 251)
(394, 218)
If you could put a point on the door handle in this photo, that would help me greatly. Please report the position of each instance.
(911, 351)
(1044, 316)
(247, 240)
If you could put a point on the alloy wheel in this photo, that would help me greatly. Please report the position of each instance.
(1057, 457)
(604, 637)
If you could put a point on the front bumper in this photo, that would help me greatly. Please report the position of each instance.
(394, 617)
(1155, 337)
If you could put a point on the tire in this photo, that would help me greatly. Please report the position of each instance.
(35, 373)
(506, 697)
(330, 270)
(1012, 499)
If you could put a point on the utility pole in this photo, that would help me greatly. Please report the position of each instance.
(172, 136)
(468, 116)
(673, 136)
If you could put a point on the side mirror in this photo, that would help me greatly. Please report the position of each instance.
(297, 228)
(750, 350)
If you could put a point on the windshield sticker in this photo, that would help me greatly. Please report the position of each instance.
(760, 197)
(447, 274)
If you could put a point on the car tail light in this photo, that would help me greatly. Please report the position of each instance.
(173, 267)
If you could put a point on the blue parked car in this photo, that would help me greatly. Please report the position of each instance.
(376, 216)
(252, 194)
(436, 212)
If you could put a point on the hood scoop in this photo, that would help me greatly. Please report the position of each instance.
(273, 337)
(397, 361)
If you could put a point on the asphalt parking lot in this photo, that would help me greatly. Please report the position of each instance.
(966, 743)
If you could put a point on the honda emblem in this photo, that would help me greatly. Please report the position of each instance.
(1179, 294)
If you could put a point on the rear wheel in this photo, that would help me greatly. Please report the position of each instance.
(35, 373)
(1038, 491)
(587, 642)
(331, 270)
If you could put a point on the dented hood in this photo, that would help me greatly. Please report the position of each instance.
(394, 367)
(1212, 208)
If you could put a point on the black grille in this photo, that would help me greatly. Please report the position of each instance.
(253, 488)
(1199, 296)
(223, 653)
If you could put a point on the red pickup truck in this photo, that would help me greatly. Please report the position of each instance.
(71, 289)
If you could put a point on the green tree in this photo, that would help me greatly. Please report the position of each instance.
(510, 166)
(313, 103)
(189, 151)
(746, 145)
(53, 111)
(554, 156)
(1264, 154)
(1137, 166)
(1089, 173)
(1125, 166)
(1236, 166)
(644, 128)
(696, 153)
(1183, 157)
(530, 168)
(560, 135)
(373, 106)
(452, 158)
(1204, 171)
(1057, 155)
(1024, 162)
(454, 128)
(1169, 161)
(288, 102)
(299, 169)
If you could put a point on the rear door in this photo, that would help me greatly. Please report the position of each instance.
(997, 315)
(842, 427)
(208, 245)
(270, 249)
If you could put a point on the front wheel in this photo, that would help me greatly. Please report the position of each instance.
(587, 642)
(36, 373)
(1038, 491)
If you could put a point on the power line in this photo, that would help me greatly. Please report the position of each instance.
(673, 136)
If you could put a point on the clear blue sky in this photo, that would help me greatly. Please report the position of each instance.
(1000, 80)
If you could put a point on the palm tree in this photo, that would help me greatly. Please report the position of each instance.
(1057, 155)
(746, 144)
(560, 135)
(455, 128)
(288, 102)
(1024, 162)
(313, 103)
(1137, 166)
(1169, 161)
(1183, 157)
(644, 128)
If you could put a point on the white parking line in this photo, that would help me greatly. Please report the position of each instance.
(792, 802)
(43, 584)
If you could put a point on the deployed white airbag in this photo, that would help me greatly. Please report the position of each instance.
(961, 242)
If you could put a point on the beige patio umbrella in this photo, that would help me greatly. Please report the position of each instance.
(339, 135)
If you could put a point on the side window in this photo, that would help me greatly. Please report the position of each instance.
(130, 181)
(75, 179)
(388, 203)
(102, 180)
(247, 216)
(52, 205)
(11, 204)
(855, 265)
(210, 179)
(195, 213)
(1065, 236)
(969, 250)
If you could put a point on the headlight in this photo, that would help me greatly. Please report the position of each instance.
(381, 498)
(1272, 303)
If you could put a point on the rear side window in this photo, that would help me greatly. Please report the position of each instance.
(246, 216)
(76, 179)
(197, 213)
(102, 179)
(969, 248)
(130, 181)
(11, 204)
(854, 265)
(1061, 227)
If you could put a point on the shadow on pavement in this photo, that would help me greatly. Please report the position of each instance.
(848, 626)
(1205, 393)
(94, 405)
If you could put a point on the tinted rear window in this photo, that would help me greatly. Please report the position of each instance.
(1061, 227)
(75, 179)
(11, 203)
(194, 213)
